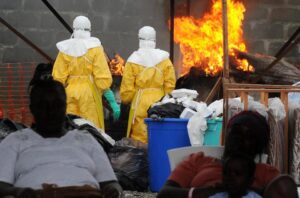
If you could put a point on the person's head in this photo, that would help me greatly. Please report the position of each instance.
(281, 187)
(248, 133)
(238, 174)
(48, 105)
(147, 37)
(81, 27)
(42, 72)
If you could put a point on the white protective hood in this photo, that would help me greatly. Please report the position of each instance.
(148, 57)
(76, 46)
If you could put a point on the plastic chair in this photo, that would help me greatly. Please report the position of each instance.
(178, 154)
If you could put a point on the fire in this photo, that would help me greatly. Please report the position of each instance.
(201, 40)
(117, 65)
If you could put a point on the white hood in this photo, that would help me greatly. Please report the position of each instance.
(148, 57)
(77, 47)
(147, 44)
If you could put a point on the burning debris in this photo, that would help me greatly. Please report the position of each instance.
(201, 40)
(282, 73)
(117, 65)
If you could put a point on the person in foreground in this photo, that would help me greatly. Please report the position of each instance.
(48, 161)
(201, 176)
(238, 175)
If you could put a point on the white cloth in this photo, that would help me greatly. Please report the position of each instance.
(77, 47)
(251, 194)
(81, 34)
(76, 159)
(148, 57)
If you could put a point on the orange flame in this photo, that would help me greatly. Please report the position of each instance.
(117, 65)
(201, 40)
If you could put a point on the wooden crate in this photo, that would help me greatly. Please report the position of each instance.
(243, 90)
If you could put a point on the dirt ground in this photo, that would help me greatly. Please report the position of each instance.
(134, 194)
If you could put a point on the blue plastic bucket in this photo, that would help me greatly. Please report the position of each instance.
(163, 135)
(212, 135)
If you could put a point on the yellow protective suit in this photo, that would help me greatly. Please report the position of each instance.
(85, 78)
(142, 86)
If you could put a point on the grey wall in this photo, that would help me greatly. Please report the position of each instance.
(115, 22)
(269, 23)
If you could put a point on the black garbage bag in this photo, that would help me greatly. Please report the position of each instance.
(8, 126)
(168, 110)
(130, 165)
(70, 125)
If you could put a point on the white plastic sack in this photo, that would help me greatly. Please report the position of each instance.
(196, 127)
(216, 108)
(190, 104)
(187, 113)
(182, 99)
(166, 99)
(197, 106)
(235, 106)
(203, 109)
(179, 93)
(258, 107)
(278, 108)
(235, 103)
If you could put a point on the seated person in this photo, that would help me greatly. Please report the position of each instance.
(238, 175)
(48, 161)
(247, 133)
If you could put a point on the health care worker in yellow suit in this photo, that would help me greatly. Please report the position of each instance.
(81, 66)
(148, 76)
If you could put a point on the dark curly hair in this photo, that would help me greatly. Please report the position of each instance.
(42, 72)
(247, 132)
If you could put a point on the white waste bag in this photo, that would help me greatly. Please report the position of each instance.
(187, 113)
(216, 107)
(278, 108)
(258, 107)
(203, 109)
(179, 93)
(196, 127)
